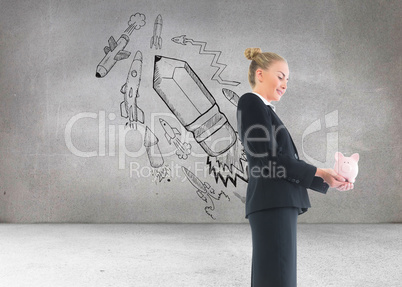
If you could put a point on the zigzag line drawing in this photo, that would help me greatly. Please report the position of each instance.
(203, 51)
(229, 167)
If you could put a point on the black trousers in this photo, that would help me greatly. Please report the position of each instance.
(274, 233)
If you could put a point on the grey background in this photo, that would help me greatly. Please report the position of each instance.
(344, 56)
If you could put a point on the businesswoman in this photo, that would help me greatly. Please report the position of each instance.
(278, 179)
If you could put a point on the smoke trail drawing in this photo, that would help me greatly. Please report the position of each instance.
(161, 174)
(203, 51)
(136, 22)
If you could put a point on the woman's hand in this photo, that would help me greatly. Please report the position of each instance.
(333, 179)
(345, 186)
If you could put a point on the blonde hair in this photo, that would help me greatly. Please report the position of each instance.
(259, 60)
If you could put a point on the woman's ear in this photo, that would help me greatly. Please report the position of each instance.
(259, 75)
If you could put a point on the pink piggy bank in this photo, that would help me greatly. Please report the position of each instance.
(347, 166)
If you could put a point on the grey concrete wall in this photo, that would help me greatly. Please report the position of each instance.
(67, 154)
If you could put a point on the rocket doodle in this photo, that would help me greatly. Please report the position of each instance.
(204, 191)
(156, 39)
(128, 107)
(171, 135)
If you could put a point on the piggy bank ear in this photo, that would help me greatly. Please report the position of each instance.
(355, 156)
(338, 156)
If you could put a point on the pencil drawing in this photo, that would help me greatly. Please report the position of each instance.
(193, 105)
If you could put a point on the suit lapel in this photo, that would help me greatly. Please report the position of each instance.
(281, 123)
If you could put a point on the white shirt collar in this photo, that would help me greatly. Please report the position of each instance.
(265, 101)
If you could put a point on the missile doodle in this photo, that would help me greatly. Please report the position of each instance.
(128, 107)
(182, 40)
(114, 52)
(152, 148)
(156, 39)
(182, 149)
(159, 171)
(231, 96)
(242, 198)
(193, 105)
(204, 191)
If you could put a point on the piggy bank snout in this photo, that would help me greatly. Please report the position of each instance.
(346, 167)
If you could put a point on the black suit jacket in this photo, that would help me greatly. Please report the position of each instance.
(277, 177)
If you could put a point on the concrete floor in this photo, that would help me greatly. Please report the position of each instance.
(191, 255)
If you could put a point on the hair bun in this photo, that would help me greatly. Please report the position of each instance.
(251, 53)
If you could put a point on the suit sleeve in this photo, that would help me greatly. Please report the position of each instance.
(319, 185)
(257, 134)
